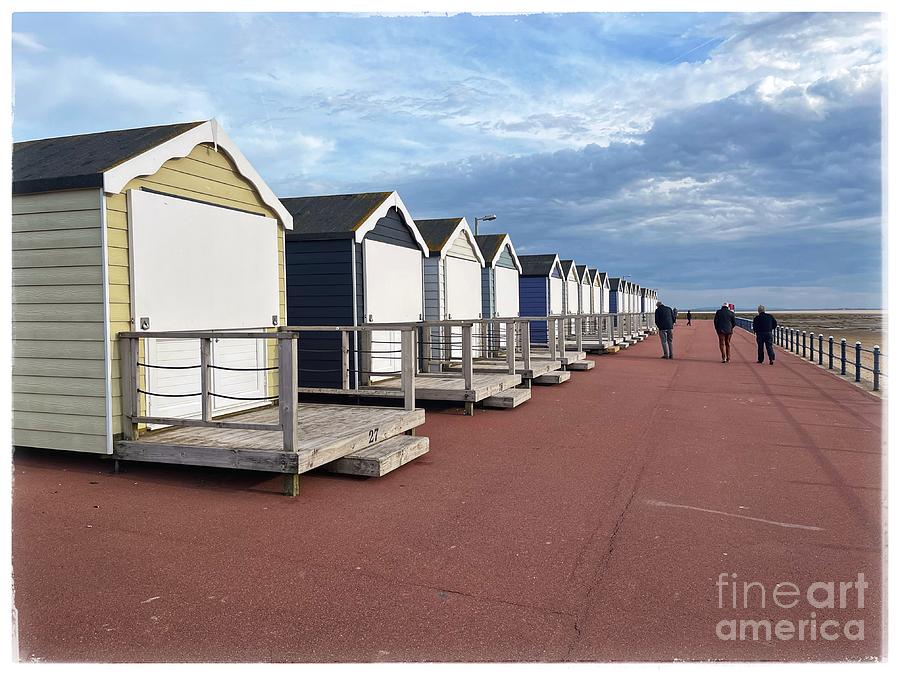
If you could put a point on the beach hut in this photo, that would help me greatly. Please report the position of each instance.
(164, 228)
(571, 288)
(601, 293)
(585, 290)
(453, 279)
(617, 300)
(351, 260)
(540, 291)
(500, 276)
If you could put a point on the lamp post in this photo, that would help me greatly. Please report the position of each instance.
(490, 216)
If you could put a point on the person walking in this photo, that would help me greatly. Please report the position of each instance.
(724, 323)
(674, 311)
(689, 317)
(764, 326)
(665, 322)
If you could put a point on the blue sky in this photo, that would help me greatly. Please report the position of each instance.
(714, 156)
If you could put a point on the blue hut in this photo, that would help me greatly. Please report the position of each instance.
(351, 260)
(540, 291)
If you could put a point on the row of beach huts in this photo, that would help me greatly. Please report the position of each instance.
(169, 307)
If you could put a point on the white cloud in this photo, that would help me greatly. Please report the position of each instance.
(27, 41)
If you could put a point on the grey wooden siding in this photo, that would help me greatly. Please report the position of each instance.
(506, 259)
(434, 288)
(487, 292)
(59, 370)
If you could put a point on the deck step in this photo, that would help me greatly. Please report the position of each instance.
(508, 399)
(611, 350)
(556, 377)
(380, 458)
(580, 365)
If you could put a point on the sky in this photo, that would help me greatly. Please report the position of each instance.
(716, 157)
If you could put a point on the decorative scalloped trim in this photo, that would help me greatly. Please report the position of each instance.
(391, 201)
(149, 162)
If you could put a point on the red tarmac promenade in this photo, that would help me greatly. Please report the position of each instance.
(590, 524)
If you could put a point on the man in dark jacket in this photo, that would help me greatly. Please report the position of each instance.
(665, 322)
(724, 322)
(764, 326)
(689, 317)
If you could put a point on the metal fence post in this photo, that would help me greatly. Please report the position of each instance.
(821, 342)
(831, 352)
(843, 356)
(803, 338)
(812, 346)
(858, 359)
(876, 369)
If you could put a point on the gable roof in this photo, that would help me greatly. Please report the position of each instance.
(440, 234)
(348, 216)
(615, 283)
(568, 266)
(110, 159)
(604, 277)
(582, 272)
(538, 265)
(69, 162)
(492, 246)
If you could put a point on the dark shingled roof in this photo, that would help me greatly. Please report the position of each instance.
(71, 162)
(580, 270)
(537, 265)
(436, 231)
(603, 276)
(489, 245)
(566, 266)
(614, 283)
(331, 216)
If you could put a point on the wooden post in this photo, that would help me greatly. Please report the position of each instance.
(128, 358)
(510, 346)
(579, 326)
(561, 337)
(345, 359)
(205, 363)
(551, 337)
(467, 355)
(408, 368)
(291, 484)
(525, 329)
(287, 391)
(365, 359)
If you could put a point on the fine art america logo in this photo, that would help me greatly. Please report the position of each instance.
(822, 610)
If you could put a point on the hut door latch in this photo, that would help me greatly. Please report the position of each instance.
(145, 323)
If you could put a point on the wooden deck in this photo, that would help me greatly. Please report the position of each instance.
(570, 355)
(539, 366)
(326, 433)
(449, 387)
(591, 345)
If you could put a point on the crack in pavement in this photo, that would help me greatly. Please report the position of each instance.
(603, 563)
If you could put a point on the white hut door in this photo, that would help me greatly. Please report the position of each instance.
(196, 266)
(556, 295)
(506, 293)
(393, 288)
(463, 293)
